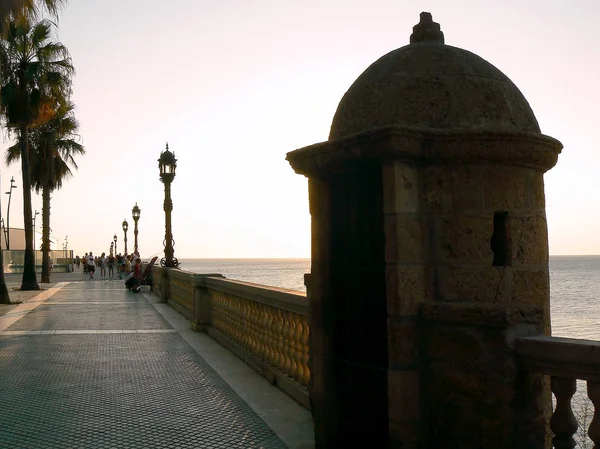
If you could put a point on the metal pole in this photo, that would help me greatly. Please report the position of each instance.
(135, 236)
(9, 193)
(168, 207)
(34, 217)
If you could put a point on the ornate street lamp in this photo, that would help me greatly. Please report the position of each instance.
(167, 164)
(125, 227)
(7, 230)
(135, 213)
(115, 240)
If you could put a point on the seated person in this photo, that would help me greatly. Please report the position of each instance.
(134, 280)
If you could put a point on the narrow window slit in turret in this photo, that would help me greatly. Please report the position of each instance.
(500, 241)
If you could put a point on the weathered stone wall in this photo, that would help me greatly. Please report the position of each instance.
(406, 257)
(459, 203)
(488, 270)
(475, 392)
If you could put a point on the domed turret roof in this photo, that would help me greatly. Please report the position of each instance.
(432, 86)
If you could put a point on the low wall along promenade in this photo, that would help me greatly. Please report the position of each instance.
(267, 327)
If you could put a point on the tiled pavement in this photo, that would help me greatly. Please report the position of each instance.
(87, 364)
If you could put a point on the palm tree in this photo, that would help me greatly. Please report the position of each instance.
(10, 9)
(51, 150)
(36, 79)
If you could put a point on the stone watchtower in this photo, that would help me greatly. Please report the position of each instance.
(429, 255)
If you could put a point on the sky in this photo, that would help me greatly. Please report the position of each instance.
(233, 85)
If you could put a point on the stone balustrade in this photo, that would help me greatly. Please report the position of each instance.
(265, 326)
(566, 360)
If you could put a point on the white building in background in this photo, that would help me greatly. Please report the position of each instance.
(16, 238)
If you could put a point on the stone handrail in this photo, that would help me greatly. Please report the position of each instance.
(265, 326)
(566, 360)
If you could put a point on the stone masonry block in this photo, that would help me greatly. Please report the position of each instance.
(480, 315)
(470, 376)
(401, 187)
(404, 241)
(454, 344)
(406, 288)
(319, 198)
(402, 342)
(437, 189)
(404, 407)
(529, 238)
(531, 286)
(404, 435)
(537, 197)
(467, 188)
(465, 238)
(474, 283)
(505, 188)
(403, 393)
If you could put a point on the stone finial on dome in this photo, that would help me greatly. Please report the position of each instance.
(427, 30)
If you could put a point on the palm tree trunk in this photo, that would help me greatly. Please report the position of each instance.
(29, 281)
(46, 234)
(4, 296)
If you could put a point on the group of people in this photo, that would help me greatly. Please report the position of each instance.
(126, 266)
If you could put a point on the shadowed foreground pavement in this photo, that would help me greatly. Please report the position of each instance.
(87, 364)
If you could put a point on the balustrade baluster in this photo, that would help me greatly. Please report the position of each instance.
(244, 312)
(305, 351)
(260, 331)
(270, 338)
(279, 339)
(296, 350)
(593, 389)
(253, 327)
(287, 346)
(563, 422)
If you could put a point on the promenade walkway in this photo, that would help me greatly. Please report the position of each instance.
(87, 364)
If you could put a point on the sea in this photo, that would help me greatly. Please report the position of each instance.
(574, 286)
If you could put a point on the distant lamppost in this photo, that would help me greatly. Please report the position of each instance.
(125, 227)
(7, 230)
(135, 213)
(111, 247)
(67, 252)
(34, 217)
(167, 164)
(115, 240)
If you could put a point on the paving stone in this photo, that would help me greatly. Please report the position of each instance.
(105, 390)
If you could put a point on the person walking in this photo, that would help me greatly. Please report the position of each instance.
(111, 266)
(103, 263)
(91, 265)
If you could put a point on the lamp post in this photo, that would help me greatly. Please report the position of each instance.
(115, 240)
(125, 226)
(34, 217)
(167, 164)
(111, 247)
(135, 213)
(7, 230)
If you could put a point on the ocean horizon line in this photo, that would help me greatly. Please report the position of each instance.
(244, 258)
(308, 258)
